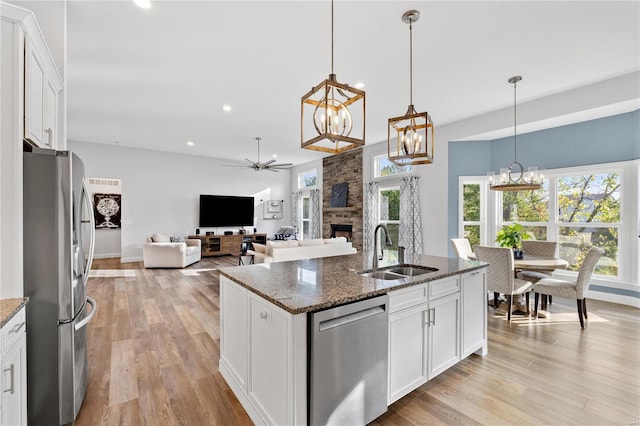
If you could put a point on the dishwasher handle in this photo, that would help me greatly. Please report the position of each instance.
(352, 317)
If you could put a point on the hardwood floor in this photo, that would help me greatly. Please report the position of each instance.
(154, 350)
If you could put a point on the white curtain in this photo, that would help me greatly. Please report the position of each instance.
(316, 228)
(370, 214)
(410, 232)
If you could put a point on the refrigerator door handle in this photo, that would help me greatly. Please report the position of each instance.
(92, 225)
(86, 320)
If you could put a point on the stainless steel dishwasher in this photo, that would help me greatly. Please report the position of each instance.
(348, 363)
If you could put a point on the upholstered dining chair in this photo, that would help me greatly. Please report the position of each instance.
(537, 248)
(462, 247)
(500, 275)
(571, 289)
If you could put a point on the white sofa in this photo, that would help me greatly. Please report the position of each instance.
(280, 251)
(160, 252)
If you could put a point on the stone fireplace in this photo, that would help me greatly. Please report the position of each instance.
(338, 169)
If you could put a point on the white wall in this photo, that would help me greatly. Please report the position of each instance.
(160, 191)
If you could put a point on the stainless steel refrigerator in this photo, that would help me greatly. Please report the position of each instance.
(58, 251)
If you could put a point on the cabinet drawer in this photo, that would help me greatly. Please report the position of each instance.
(407, 297)
(13, 329)
(443, 287)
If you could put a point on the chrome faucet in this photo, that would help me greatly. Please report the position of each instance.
(375, 244)
(401, 251)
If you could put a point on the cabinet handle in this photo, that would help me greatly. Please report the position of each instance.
(11, 371)
(434, 316)
(16, 328)
(263, 315)
(475, 273)
(49, 132)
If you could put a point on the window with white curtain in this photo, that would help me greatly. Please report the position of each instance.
(305, 215)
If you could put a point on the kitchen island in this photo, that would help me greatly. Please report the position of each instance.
(434, 320)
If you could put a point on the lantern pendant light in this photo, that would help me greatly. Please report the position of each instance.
(332, 114)
(528, 181)
(410, 138)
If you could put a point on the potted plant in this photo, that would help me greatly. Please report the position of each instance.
(512, 236)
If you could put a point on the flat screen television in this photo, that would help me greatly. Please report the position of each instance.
(225, 210)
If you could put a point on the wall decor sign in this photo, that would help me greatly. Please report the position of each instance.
(107, 210)
(339, 194)
(273, 209)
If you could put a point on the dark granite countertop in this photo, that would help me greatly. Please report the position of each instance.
(10, 307)
(310, 285)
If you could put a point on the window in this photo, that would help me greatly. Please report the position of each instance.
(384, 167)
(589, 216)
(307, 179)
(389, 214)
(580, 207)
(528, 208)
(471, 212)
(305, 215)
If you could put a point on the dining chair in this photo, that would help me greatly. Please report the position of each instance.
(462, 247)
(571, 289)
(500, 275)
(537, 248)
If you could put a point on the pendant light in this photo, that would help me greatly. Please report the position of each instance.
(413, 132)
(333, 114)
(523, 181)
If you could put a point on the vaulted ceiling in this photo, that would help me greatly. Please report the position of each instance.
(157, 78)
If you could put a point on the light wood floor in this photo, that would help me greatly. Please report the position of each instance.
(154, 350)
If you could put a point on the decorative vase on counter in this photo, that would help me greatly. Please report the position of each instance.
(517, 253)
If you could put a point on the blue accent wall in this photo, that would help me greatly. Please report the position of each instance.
(605, 140)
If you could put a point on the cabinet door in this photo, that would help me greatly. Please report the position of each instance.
(444, 333)
(14, 383)
(474, 312)
(34, 96)
(50, 100)
(234, 330)
(268, 361)
(407, 357)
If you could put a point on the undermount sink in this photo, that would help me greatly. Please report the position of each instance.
(411, 270)
(383, 275)
(397, 272)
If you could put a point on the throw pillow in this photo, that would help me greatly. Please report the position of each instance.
(260, 248)
(161, 238)
(177, 239)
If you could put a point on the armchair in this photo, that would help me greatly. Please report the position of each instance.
(161, 252)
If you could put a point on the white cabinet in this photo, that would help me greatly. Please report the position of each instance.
(263, 356)
(474, 313)
(14, 372)
(41, 99)
(407, 351)
(444, 333)
(433, 326)
(268, 355)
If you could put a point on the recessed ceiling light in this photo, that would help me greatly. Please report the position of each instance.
(226, 107)
(275, 155)
(190, 143)
(359, 85)
(145, 4)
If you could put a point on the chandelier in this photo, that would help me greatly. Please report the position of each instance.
(505, 181)
(413, 132)
(333, 114)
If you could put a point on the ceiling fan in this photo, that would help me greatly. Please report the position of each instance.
(259, 165)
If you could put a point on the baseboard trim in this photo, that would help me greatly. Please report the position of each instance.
(131, 259)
